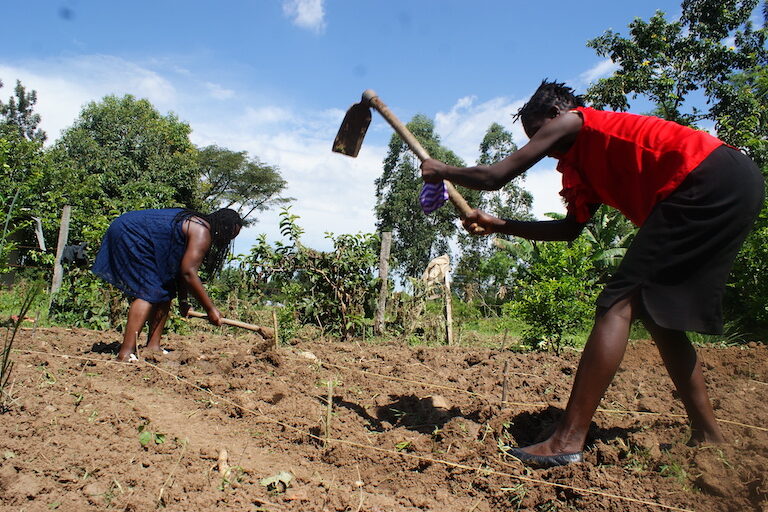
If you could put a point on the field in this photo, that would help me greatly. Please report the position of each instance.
(225, 421)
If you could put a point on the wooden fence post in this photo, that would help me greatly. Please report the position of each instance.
(386, 245)
(39, 233)
(448, 312)
(58, 270)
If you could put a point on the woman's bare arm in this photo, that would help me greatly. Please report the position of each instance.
(198, 244)
(553, 136)
(567, 229)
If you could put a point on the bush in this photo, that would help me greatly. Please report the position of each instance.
(332, 290)
(555, 295)
(86, 301)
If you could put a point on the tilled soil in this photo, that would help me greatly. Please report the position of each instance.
(411, 429)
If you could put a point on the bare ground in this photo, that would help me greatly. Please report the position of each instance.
(411, 429)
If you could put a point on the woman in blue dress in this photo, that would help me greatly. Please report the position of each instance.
(154, 255)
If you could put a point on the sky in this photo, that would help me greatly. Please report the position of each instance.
(275, 77)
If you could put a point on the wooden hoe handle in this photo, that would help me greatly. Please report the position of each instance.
(456, 198)
(265, 331)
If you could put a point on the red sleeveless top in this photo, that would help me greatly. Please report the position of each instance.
(629, 162)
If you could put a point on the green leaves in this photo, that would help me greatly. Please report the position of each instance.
(481, 271)
(555, 296)
(147, 437)
(232, 179)
(120, 154)
(416, 238)
(328, 289)
(705, 52)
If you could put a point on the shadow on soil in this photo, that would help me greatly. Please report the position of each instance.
(106, 348)
(528, 428)
(409, 411)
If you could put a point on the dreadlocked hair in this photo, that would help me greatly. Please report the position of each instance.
(548, 95)
(223, 225)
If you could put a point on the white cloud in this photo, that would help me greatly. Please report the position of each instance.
(333, 192)
(65, 85)
(544, 182)
(599, 70)
(463, 127)
(309, 14)
(255, 117)
(218, 92)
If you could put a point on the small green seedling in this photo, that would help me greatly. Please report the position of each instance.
(147, 437)
(403, 445)
(516, 495)
(234, 475)
(78, 398)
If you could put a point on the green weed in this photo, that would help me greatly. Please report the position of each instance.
(676, 471)
(6, 365)
(404, 446)
(516, 496)
(147, 437)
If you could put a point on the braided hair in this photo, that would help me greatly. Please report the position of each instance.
(223, 225)
(548, 95)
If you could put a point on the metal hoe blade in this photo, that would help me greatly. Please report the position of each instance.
(352, 130)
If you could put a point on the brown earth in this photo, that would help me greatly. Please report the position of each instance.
(411, 429)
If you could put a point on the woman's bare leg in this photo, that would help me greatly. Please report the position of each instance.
(137, 316)
(599, 361)
(684, 368)
(156, 324)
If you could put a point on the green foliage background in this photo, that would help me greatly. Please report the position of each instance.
(122, 154)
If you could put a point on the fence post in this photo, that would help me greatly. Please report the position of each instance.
(386, 245)
(448, 312)
(39, 233)
(58, 270)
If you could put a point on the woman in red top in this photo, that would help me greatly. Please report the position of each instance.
(694, 198)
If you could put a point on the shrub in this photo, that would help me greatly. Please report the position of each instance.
(555, 294)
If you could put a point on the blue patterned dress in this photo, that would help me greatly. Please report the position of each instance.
(141, 253)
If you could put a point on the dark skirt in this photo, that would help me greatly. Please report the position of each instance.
(681, 256)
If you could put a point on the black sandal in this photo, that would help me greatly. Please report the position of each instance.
(545, 461)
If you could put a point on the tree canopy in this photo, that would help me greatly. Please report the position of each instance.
(140, 158)
(416, 238)
(232, 179)
(18, 114)
(712, 50)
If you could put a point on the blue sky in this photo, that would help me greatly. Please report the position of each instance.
(274, 77)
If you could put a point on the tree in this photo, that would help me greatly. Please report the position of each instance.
(121, 154)
(556, 292)
(18, 114)
(23, 165)
(483, 271)
(231, 179)
(712, 51)
(328, 289)
(512, 201)
(416, 238)
(608, 234)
